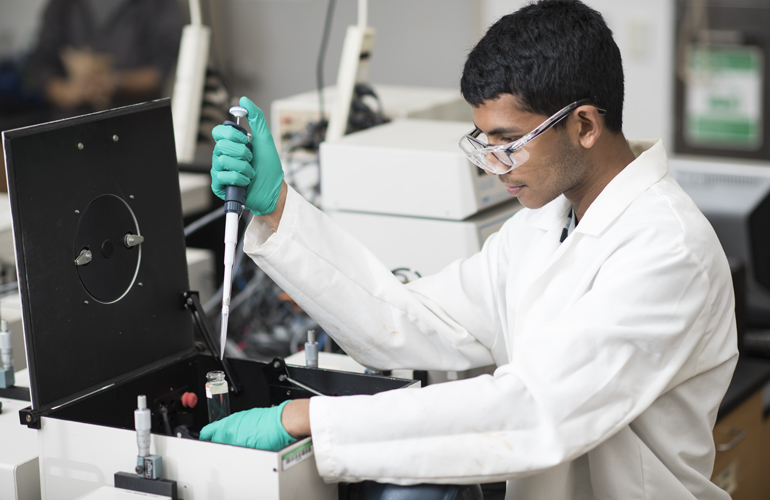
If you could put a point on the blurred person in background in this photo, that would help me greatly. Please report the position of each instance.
(97, 54)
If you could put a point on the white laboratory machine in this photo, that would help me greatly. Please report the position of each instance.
(735, 197)
(291, 115)
(19, 469)
(108, 316)
(407, 191)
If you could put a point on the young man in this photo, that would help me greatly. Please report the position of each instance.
(606, 303)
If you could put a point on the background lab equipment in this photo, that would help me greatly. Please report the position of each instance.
(19, 469)
(120, 325)
(392, 182)
(736, 200)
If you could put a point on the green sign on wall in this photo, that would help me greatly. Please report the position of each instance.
(723, 105)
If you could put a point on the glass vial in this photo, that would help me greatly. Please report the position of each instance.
(217, 396)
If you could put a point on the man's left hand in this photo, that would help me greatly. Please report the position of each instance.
(259, 428)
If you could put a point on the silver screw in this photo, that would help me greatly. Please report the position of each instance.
(140, 284)
(131, 196)
(80, 146)
(77, 211)
(288, 393)
(29, 418)
(85, 302)
(114, 138)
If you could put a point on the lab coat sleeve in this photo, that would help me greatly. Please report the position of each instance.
(375, 318)
(603, 360)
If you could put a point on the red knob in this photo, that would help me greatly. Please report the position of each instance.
(189, 400)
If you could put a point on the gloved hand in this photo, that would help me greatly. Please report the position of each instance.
(232, 164)
(256, 428)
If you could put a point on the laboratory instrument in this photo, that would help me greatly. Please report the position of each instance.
(217, 396)
(189, 81)
(353, 69)
(735, 198)
(400, 242)
(420, 172)
(459, 208)
(311, 350)
(149, 466)
(7, 374)
(290, 116)
(143, 343)
(19, 469)
(234, 199)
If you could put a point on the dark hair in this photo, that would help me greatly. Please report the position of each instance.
(548, 54)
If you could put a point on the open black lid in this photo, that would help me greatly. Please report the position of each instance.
(95, 307)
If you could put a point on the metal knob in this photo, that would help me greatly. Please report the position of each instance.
(133, 240)
(84, 258)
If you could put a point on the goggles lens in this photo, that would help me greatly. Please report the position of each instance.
(494, 160)
(503, 158)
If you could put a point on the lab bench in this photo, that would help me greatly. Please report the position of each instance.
(742, 432)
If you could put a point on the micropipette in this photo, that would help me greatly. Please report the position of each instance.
(235, 196)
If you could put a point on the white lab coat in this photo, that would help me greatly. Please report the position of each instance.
(614, 348)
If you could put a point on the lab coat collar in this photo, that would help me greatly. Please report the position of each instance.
(650, 165)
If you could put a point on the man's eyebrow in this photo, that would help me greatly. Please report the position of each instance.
(513, 130)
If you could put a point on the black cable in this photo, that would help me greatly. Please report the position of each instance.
(206, 219)
(321, 55)
(166, 421)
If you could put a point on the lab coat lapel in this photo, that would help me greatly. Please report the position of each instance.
(550, 220)
(649, 167)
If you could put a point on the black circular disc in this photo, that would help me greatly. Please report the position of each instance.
(102, 229)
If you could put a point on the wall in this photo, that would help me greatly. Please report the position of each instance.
(272, 46)
(18, 25)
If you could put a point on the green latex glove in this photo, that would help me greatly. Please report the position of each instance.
(259, 428)
(232, 164)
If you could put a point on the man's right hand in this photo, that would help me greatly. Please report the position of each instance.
(232, 164)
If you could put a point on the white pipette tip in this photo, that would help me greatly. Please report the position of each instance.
(223, 335)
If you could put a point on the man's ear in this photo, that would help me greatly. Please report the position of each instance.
(590, 125)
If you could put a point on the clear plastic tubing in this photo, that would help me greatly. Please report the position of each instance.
(217, 396)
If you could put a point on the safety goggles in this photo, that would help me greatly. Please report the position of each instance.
(503, 158)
